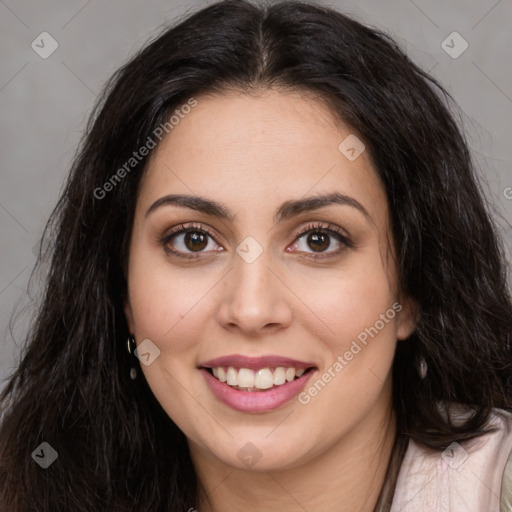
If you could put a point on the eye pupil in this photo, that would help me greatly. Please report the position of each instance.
(320, 241)
(194, 240)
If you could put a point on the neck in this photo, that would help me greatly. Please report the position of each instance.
(347, 477)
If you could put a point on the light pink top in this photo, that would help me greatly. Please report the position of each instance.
(472, 476)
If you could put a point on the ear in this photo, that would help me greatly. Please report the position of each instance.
(129, 315)
(407, 318)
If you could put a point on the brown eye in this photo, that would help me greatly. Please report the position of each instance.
(195, 240)
(189, 241)
(319, 242)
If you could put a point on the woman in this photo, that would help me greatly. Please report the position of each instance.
(274, 212)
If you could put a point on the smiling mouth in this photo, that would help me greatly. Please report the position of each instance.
(264, 379)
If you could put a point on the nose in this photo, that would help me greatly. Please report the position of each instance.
(255, 298)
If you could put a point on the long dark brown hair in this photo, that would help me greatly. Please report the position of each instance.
(117, 449)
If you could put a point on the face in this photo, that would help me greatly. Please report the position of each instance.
(257, 274)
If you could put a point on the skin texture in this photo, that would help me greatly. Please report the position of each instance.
(252, 153)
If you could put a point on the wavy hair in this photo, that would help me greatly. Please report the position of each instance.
(117, 448)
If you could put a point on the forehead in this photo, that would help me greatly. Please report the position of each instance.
(261, 148)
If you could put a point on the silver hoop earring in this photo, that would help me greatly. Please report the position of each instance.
(130, 347)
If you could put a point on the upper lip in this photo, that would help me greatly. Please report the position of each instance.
(255, 363)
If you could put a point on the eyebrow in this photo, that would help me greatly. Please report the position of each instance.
(287, 210)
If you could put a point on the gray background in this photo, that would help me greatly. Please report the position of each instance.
(44, 104)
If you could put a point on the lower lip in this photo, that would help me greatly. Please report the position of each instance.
(255, 401)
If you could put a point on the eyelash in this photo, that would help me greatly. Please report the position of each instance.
(329, 229)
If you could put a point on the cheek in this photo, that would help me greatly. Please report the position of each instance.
(167, 300)
(360, 345)
(169, 314)
(348, 303)
(357, 353)
(170, 306)
(358, 312)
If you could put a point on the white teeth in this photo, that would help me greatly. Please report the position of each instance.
(279, 376)
(232, 377)
(246, 378)
(264, 378)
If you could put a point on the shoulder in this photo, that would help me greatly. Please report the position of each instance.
(506, 487)
(503, 423)
(469, 476)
